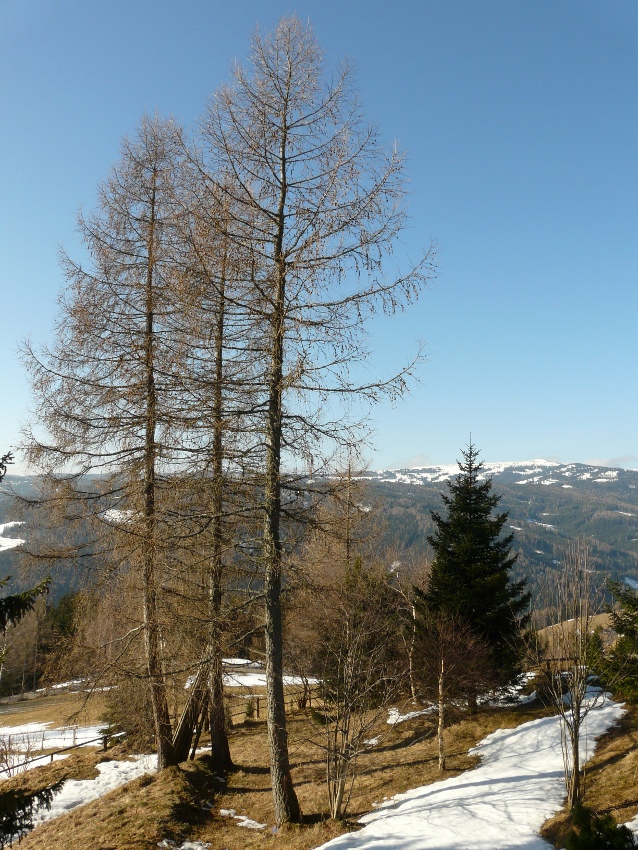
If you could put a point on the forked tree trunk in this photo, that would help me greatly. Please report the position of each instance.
(207, 693)
(337, 786)
(190, 718)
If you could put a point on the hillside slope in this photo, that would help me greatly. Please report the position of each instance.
(549, 504)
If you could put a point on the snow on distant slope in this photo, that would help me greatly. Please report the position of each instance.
(523, 472)
(9, 542)
(419, 475)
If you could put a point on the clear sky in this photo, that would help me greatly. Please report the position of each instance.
(520, 119)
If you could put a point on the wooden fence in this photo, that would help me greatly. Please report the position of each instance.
(252, 706)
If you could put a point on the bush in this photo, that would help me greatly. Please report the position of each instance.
(129, 709)
(597, 832)
(17, 809)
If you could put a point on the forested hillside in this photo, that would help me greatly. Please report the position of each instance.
(548, 504)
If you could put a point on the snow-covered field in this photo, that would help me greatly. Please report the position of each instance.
(258, 680)
(243, 673)
(19, 744)
(31, 737)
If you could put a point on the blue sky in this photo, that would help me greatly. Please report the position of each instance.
(520, 120)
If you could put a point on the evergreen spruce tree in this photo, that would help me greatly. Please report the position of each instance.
(470, 576)
(621, 663)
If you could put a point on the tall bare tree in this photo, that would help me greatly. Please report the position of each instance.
(104, 395)
(318, 200)
(216, 385)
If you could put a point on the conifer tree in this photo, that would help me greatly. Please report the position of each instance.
(472, 563)
(106, 394)
(622, 661)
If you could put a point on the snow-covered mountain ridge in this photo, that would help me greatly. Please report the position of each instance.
(539, 471)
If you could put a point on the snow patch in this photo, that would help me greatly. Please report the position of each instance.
(258, 680)
(117, 517)
(76, 792)
(242, 820)
(9, 542)
(395, 716)
(15, 763)
(500, 805)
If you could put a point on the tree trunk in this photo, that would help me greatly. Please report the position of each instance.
(574, 784)
(220, 749)
(472, 701)
(161, 716)
(413, 693)
(285, 800)
(441, 725)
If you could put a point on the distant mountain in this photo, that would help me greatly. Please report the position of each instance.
(13, 534)
(547, 472)
(549, 504)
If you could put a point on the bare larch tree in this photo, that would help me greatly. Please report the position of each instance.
(318, 199)
(103, 391)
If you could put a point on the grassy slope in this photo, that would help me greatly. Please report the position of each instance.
(174, 803)
(171, 805)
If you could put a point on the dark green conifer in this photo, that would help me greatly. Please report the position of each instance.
(597, 832)
(472, 563)
(621, 665)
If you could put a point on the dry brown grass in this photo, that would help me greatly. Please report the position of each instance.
(59, 710)
(174, 803)
(135, 816)
(610, 778)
